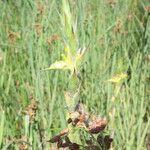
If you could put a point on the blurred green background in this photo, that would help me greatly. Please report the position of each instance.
(117, 33)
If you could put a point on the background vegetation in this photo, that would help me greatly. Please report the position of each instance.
(117, 34)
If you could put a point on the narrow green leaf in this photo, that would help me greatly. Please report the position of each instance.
(2, 126)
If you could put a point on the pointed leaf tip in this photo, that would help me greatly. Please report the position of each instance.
(58, 65)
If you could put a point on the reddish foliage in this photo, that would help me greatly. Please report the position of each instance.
(97, 125)
(148, 9)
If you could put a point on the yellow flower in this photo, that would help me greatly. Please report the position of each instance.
(69, 61)
(118, 77)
